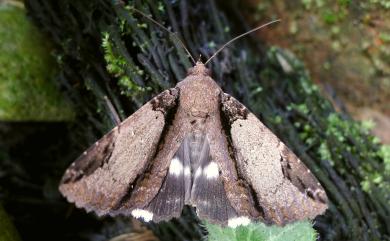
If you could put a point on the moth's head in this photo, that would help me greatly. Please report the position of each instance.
(199, 69)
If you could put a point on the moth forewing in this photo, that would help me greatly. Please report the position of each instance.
(285, 188)
(105, 172)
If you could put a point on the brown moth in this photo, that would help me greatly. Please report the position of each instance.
(194, 145)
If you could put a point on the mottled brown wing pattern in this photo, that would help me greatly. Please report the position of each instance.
(104, 173)
(285, 188)
(297, 173)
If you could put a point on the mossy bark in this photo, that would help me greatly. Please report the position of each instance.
(138, 60)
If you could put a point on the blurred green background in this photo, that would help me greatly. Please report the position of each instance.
(28, 68)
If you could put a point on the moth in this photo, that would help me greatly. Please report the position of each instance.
(194, 145)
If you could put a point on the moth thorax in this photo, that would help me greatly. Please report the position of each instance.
(199, 69)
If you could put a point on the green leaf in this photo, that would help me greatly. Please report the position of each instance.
(298, 231)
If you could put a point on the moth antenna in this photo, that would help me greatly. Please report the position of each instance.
(114, 113)
(162, 26)
(239, 36)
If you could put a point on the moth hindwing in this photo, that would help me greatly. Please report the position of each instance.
(176, 151)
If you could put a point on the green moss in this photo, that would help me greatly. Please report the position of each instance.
(161, 7)
(342, 135)
(301, 108)
(307, 3)
(277, 120)
(132, 78)
(384, 152)
(379, 179)
(331, 12)
(381, 3)
(324, 152)
(27, 70)
(329, 17)
(302, 231)
(385, 37)
(118, 66)
(344, 3)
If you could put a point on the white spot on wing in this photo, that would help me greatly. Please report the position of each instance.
(211, 170)
(176, 168)
(238, 221)
(187, 171)
(144, 214)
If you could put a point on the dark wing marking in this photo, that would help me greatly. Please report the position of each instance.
(208, 194)
(150, 184)
(169, 201)
(297, 173)
(100, 177)
(285, 188)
